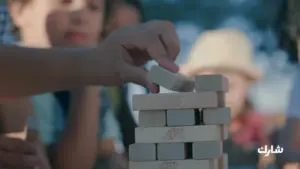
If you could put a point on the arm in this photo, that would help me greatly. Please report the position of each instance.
(118, 59)
(78, 147)
(28, 71)
(111, 140)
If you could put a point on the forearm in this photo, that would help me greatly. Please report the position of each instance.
(29, 71)
(78, 147)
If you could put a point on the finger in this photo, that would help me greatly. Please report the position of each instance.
(16, 145)
(167, 64)
(134, 74)
(167, 33)
(171, 43)
(18, 161)
(157, 51)
(137, 75)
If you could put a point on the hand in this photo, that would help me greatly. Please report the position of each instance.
(17, 154)
(127, 49)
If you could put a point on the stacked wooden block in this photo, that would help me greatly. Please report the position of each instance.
(183, 130)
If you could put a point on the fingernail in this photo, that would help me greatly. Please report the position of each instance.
(153, 88)
(176, 68)
(173, 67)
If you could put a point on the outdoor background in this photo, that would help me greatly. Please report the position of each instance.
(260, 19)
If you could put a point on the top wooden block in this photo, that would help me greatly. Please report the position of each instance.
(217, 83)
(187, 100)
(172, 81)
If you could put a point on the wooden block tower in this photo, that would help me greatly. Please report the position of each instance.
(182, 130)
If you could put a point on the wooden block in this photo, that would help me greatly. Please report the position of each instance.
(171, 151)
(190, 100)
(207, 149)
(176, 164)
(216, 83)
(181, 117)
(142, 152)
(169, 80)
(224, 133)
(214, 116)
(152, 118)
(180, 134)
(19, 135)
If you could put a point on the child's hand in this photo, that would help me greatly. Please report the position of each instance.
(127, 49)
(106, 147)
(17, 154)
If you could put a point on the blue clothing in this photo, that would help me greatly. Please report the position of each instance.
(51, 115)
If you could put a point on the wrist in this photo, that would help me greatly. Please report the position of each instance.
(93, 91)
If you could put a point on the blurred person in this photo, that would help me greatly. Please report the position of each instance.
(79, 94)
(79, 24)
(289, 135)
(293, 111)
(123, 13)
(83, 103)
(229, 52)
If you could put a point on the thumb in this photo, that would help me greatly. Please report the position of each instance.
(138, 75)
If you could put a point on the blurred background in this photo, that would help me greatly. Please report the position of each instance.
(263, 21)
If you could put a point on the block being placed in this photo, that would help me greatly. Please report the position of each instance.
(171, 151)
(152, 118)
(216, 83)
(207, 149)
(181, 117)
(189, 100)
(142, 152)
(176, 164)
(214, 116)
(169, 80)
(180, 134)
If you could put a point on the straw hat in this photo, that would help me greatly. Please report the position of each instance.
(227, 49)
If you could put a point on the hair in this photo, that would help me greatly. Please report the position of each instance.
(138, 6)
(109, 4)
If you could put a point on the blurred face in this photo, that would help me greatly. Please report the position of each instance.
(68, 23)
(238, 89)
(123, 15)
